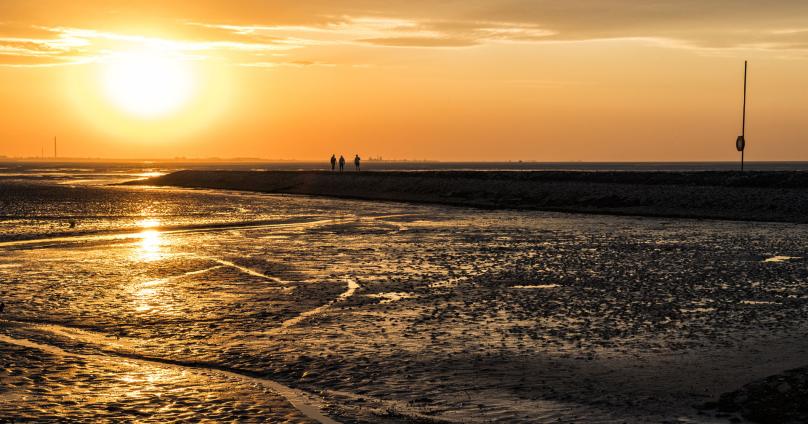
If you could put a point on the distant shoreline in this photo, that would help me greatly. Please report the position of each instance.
(252, 164)
(777, 196)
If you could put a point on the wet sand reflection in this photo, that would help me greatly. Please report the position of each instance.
(151, 241)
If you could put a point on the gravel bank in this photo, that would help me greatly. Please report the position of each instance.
(752, 196)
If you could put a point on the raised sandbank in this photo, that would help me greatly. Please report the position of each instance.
(755, 196)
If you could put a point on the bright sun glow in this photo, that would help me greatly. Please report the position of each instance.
(148, 83)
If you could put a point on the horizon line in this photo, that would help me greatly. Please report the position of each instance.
(8, 159)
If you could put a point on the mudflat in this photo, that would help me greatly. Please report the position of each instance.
(164, 304)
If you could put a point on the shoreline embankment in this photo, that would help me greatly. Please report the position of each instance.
(778, 196)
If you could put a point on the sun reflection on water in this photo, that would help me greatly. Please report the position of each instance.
(148, 223)
(141, 380)
(150, 174)
(150, 247)
(147, 296)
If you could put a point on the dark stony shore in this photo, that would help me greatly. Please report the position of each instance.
(752, 196)
(779, 398)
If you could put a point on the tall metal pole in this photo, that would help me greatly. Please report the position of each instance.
(743, 122)
(54, 147)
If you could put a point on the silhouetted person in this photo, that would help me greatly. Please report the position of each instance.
(341, 163)
(333, 162)
(356, 161)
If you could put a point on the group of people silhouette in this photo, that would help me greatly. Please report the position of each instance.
(357, 161)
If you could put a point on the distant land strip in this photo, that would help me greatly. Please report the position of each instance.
(779, 196)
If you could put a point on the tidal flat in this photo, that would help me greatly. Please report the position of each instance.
(164, 304)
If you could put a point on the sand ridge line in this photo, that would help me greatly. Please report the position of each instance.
(403, 408)
(201, 271)
(80, 334)
(352, 287)
(183, 275)
(550, 411)
(34, 345)
(85, 335)
(300, 400)
(246, 270)
(382, 217)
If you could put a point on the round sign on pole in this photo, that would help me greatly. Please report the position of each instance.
(740, 143)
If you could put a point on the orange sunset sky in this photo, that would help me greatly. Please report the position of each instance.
(591, 80)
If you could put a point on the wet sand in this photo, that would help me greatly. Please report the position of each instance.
(388, 312)
(752, 196)
(46, 383)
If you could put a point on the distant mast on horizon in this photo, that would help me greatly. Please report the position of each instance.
(54, 147)
(740, 142)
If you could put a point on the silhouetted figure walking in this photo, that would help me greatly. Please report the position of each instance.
(341, 163)
(333, 162)
(356, 161)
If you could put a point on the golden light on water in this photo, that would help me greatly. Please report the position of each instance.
(149, 249)
(147, 295)
(148, 223)
(150, 246)
(150, 174)
(139, 381)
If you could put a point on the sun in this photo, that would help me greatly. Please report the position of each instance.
(148, 83)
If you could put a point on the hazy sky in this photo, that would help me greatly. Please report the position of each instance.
(591, 80)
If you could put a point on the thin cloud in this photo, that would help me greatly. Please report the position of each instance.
(294, 64)
(708, 24)
(310, 28)
(70, 46)
(391, 32)
(419, 42)
(555, 27)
